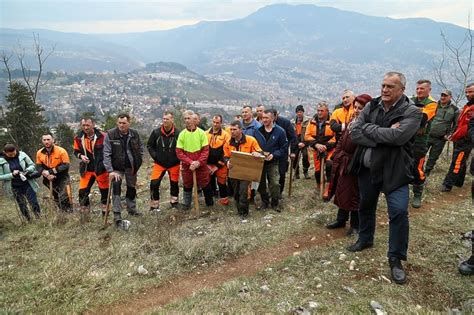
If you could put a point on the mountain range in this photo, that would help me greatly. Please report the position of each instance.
(294, 45)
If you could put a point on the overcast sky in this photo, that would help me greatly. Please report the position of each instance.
(118, 16)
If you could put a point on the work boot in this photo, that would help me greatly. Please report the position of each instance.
(84, 214)
(306, 175)
(154, 210)
(417, 193)
(466, 268)
(187, 198)
(132, 207)
(445, 188)
(123, 224)
(396, 270)
(224, 201)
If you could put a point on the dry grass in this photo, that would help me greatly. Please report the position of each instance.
(68, 267)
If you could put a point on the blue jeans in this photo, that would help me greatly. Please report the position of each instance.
(397, 204)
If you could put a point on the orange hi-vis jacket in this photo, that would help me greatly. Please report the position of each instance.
(216, 146)
(341, 116)
(56, 161)
(325, 136)
(247, 144)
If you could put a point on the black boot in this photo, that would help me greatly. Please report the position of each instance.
(417, 193)
(336, 225)
(342, 216)
(187, 198)
(396, 270)
(306, 175)
(208, 196)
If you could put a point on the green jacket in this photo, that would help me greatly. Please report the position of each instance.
(6, 175)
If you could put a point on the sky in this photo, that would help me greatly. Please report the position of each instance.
(121, 16)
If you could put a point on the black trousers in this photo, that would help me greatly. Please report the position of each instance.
(458, 167)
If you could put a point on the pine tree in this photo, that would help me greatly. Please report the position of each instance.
(64, 137)
(24, 120)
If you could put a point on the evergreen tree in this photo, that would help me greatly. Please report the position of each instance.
(23, 119)
(110, 121)
(65, 137)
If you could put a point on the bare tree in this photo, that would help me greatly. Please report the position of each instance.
(23, 117)
(6, 59)
(31, 78)
(456, 64)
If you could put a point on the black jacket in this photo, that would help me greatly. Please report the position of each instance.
(390, 149)
(289, 131)
(114, 153)
(162, 147)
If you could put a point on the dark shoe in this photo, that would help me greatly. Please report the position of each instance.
(466, 268)
(276, 207)
(445, 188)
(396, 270)
(174, 205)
(336, 225)
(135, 213)
(263, 206)
(358, 246)
(351, 232)
(306, 175)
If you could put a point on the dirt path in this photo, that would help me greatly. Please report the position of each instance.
(186, 285)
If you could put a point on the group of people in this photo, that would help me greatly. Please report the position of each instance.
(365, 147)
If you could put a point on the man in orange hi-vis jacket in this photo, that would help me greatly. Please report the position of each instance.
(89, 149)
(217, 137)
(321, 139)
(428, 106)
(52, 162)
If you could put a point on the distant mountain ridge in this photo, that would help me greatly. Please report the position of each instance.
(294, 45)
(322, 31)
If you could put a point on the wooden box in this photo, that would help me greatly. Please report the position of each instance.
(245, 166)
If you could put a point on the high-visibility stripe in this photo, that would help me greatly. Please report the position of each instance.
(457, 165)
(420, 168)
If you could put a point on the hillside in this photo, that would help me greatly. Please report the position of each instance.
(275, 263)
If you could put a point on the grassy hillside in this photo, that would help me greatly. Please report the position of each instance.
(63, 266)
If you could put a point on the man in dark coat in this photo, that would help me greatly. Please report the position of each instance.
(272, 139)
(290, 133)
(467, 267)
(384, 132)
(123, 157)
